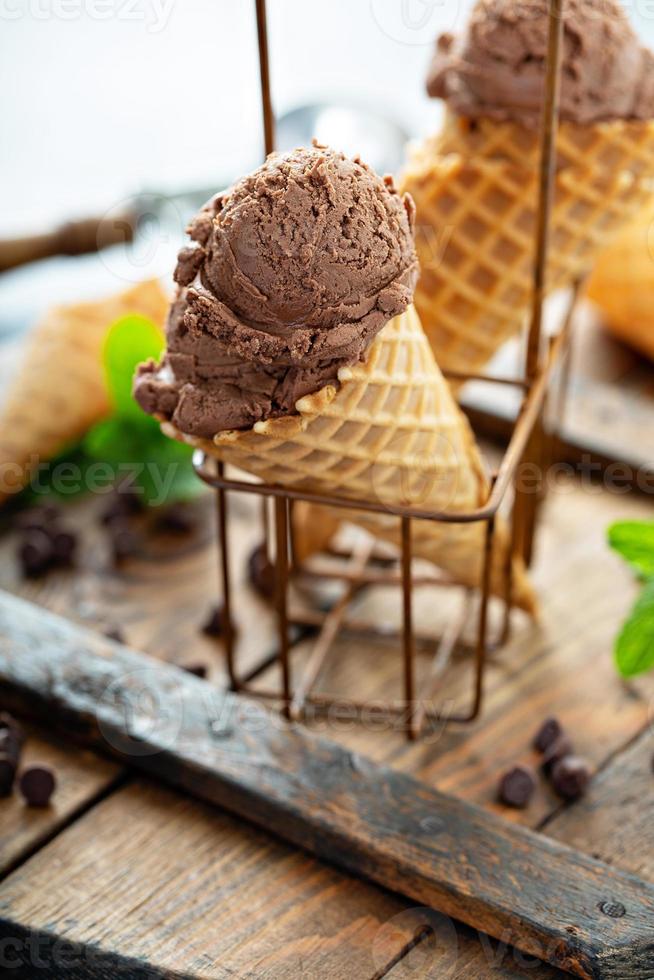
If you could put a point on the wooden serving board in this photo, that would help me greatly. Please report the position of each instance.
(138, 880)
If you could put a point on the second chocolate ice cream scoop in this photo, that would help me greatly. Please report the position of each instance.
(497, 68)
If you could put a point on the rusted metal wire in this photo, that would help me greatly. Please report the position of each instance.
(528, 444)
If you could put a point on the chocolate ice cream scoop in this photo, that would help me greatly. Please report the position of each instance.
(497, 68)
(292, 274)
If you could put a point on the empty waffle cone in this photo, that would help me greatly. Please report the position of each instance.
(622, 285)
(475, 187)
(391, 433)
(59, 391)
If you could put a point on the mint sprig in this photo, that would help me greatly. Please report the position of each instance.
(634, 646)
(131, 440)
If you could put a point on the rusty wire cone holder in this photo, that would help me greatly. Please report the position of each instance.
(530, 443)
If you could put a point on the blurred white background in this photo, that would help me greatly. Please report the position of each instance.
(103, 98)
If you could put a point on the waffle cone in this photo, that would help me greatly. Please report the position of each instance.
(622, 285)
(59, 391)
(391, 433)
(475, 187)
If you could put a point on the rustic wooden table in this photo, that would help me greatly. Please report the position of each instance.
(185, 890)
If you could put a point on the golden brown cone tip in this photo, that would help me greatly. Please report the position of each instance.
(622, 285)
(390, 431)
(59, 390)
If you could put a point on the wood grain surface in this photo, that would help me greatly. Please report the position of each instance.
(555, 903)
(82, 778)
(159, 607)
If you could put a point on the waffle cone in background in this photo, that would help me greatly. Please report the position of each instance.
(622, 285)
(393, 433)
(59, 390)
(314, 526)
(475, 187)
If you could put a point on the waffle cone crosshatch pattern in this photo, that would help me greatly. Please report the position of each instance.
(343, 457)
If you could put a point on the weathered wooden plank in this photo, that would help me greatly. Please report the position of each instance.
(458, 953)
(213, 899)
(544, 898)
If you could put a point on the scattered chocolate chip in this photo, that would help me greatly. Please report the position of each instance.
(215, 624)
(7, 775)
(517, 787)
(557, 751)
(261, 572)
(8, 722)
(35, 553)
(11, 745)
(64, 546)
(124, 503)
(38, 518)
(124, 543)
(198, 670)
(570, 777)
(115, 633)
(175, 519)
(547, 734)
(37, 784)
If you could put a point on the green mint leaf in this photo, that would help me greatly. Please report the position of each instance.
(634, 648)
(167, 483)
(115, 441)
(141, 456)
(634, 540)
(130, 340)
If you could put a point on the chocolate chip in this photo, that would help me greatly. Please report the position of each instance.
(124, 543)
(557, 751)
(11, 744)
(214, 625)
(38, 518)
(8, 722)
(124, 503)
(517, 787)
(175, 519)
(198, 670)
(35, 553)
(7, 775)
(547, 734)
(64, 546)
(261, 572)
(570, 777)
(37, 784)
(114, 633)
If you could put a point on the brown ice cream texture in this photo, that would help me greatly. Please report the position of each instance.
(497, 67)
(291, 275)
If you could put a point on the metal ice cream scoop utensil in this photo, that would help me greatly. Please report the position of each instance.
(378, 139)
